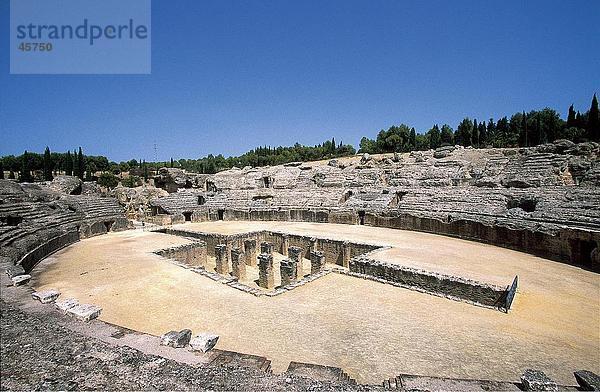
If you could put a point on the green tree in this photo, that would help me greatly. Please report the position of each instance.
(463, 132)
(1, 170)
(80, 164)
(68, 164)
(447, 135)
(435, 140)
(502, 133)
(48, 165)
(475, 134)
(367, 145)
(25, 175)
(571, 117)
(482, 135)
(413, 139)
(108, 180)
(145, 168)
(593, 122)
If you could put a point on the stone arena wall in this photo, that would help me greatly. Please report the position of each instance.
(567, 245)
(42, 251)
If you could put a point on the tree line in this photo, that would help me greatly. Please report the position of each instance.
(522, 129)
(267, 156)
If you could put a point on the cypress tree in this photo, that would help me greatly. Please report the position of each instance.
(25, 169)
(413, 139)
(68, 164)
(593, 123)
(571, 117)
(47, 165)
(482, 133)
(525, 130)
(491, 131)
(80, 164)
(75, 165)
(1, 170)
(145, 170)
(579, 120)
(475, 134)
(171, 162)
(435, 140)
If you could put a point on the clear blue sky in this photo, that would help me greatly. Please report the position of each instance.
(231, 75)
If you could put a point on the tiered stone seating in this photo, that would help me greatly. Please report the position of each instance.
(32, 215)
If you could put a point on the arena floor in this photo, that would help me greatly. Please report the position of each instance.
(372, 330)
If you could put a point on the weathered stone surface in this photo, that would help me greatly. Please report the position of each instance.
(443, 152)
(266, 248)
(176, 339)
(84, 312)
(588, 381)
(238, 264)
(46, 296)
(221, 259)
(317, 262)
(536, 380)
(203, 342)
(69, 185)
(66, 304)
(288, 272)
(266, 278)
(20, 280)
(14, 270)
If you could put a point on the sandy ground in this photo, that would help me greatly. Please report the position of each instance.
(371, 330)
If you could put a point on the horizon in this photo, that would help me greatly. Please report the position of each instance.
(227, 78)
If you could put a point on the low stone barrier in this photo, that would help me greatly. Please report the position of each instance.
(429, 282)
(31, 259)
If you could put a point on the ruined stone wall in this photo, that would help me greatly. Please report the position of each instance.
(193, 254)
(432, 283)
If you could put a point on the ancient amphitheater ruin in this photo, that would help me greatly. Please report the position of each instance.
(453, 269)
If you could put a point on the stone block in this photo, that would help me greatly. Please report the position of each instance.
(66, 304)
(317, 262)
(203, 342)
(176, 339)
(20, 280)
(266, 278)
(45, 296)
(14, 270)
(222, 262)
(250, 252)
(536, 380)
(84, 312)
(288, 272)
(587, 380)
(266, 247)
(238, 264)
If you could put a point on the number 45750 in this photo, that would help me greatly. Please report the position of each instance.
(35, 47)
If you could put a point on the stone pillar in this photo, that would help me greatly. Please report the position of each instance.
(285, 243)
(346, 254)
(317, 262)
(266, 248)
(250, 252)
(265, 271)
(238, 264)
(314, 243)
(199, 258)
(295, 255)
(221, 259)
(288, 272)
